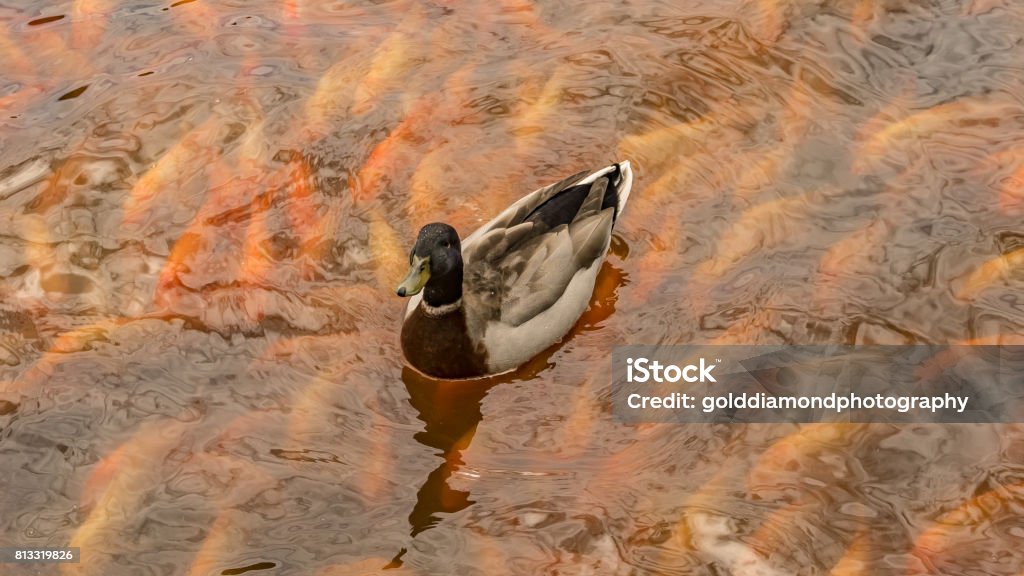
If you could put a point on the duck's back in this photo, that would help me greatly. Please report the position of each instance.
(530, 272)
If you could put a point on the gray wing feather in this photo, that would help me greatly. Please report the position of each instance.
(495, 243)
(516, 277)
(537, 274)
(537, 277)
(516, 212)
(590, 237)
(595, 196)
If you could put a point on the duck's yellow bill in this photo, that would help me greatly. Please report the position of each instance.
(417, 277)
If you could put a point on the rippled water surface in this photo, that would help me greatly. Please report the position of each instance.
(204, 207)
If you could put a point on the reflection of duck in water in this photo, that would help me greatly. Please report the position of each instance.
(451, 412)
(516, 285)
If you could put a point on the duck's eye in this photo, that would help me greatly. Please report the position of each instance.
(423, 266)
(447, 244)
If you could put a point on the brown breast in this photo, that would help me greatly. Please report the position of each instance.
(440, 346)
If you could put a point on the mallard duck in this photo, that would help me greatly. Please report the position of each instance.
(515, 286)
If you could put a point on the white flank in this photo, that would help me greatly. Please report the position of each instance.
(626, 186)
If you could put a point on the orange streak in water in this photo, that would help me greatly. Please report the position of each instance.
(250, 166)
(708, 499)
(863, 16)
(740, 332)
(977, 7)
(39, 251)
(53, 58)
(542, 101)
(16, 62)
(314, 405)
(226, 534)
(856, 560)
(848, 255)
(331, 101)
(223, 535)
(1011, 197)
(242, 179)
(667, 163)
(302, 215)
(776, 534)
(17, 102)
(310, 223)
(777, 469)
(660, 258)
(34, 379)
(388, 252)
(431, 190)
(870, 141)
(397, 150)
(892, 133)
(379, 465)
(848, 258)
(800, 445)
(393, 61)
(89, 23)
(968, 521)
(765, 169)
(121, 485)
(758, 228)
(665, 151)
(770, 20)
(491, 557)
(186, 246)
(101, 476)
(462, 160)
(198, 18)
(256, 266)
(581, 416)
(366, 567)
(234, 198)
(992, 271)
(525, 15)
(162, 179)
(1011, 186)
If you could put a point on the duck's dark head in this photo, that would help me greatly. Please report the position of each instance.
(435, 263)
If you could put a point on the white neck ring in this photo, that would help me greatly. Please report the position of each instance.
(435, 311)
